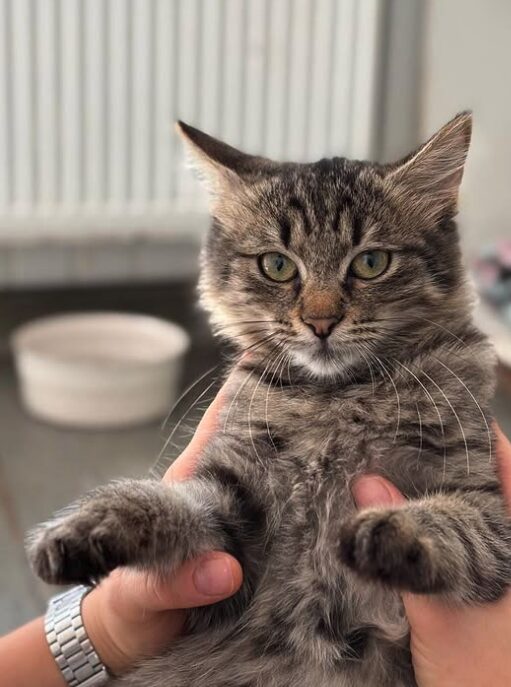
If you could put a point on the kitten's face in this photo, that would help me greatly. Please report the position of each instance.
(329, 266)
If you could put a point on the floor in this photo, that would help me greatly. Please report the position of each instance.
(43, 468)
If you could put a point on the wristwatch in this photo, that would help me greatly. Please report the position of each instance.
(68, 641)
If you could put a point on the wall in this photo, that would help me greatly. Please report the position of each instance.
(466, 61)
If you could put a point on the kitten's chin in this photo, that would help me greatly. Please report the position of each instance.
(324, 364)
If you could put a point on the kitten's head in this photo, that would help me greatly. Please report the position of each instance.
(329, 264)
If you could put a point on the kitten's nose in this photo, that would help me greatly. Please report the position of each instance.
(321, 326)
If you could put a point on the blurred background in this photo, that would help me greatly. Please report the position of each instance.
(98, 213)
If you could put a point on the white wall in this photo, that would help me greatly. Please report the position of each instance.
(467, 64)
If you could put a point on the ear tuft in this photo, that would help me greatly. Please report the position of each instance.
(219, 164)
(216, 152)
(435, 170)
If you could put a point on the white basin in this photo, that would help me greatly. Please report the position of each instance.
(99, 369)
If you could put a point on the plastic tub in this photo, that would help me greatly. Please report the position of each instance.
(99, 370)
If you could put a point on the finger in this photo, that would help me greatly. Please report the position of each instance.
(199, 582)
(428, 613)
(503, 451)
(184, 466)
(206, 580)
(375, 491)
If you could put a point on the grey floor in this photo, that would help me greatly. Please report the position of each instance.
(43, 468)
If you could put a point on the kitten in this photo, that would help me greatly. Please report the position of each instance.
(343, 282)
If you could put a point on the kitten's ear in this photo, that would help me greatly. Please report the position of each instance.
(221, 166)
(435, 170)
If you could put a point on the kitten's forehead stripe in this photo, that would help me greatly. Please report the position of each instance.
(285, 230)
(338, 218)
(299, 209)
(357, 225)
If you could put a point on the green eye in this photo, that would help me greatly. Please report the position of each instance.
(277, 267)
(370, 264)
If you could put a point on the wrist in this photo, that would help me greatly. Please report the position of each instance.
(103, 632)
(121, 627)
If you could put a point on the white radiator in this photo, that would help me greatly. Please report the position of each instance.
(89, 90)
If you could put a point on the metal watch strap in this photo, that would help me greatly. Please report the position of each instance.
(71, 647)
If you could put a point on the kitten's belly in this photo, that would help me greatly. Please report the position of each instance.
(308, 605)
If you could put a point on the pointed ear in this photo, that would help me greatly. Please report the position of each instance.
(435, 170)
(221, 166)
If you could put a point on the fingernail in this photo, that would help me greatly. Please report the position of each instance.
(213, 577)
(371, 491)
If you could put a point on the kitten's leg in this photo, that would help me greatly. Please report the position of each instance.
(142, 523)
(457, 545)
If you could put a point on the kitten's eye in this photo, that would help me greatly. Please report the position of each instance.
(277, 267)
(370, 264)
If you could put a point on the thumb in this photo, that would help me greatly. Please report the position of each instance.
(504, 460)
(198, 582)
(375, 491)
(428, 614)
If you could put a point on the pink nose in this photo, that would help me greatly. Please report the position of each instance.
(321, 326)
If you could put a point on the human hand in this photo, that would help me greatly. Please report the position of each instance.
(132, 615)
(469, 646)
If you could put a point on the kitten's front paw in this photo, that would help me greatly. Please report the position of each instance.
(72, 550)
(386, 545)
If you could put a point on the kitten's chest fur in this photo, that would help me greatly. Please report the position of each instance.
(305, 449)
(298, 448)
(317, 438)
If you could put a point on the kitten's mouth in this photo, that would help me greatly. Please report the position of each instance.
(318, 358)
(325, 358)
(317, 349)
(322, 349)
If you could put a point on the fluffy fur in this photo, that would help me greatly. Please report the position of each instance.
(401, 388)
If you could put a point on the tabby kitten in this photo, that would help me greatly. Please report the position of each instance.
(343, 283)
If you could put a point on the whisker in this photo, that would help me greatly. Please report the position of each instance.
(360, 347)
(398, 400)
(249, 414)
(288, 373)
(186, 392)
(240, 388)
(277, 363)
(448, 331)
(430, 397)
(424, 319)
(420, 433)
(168, 442)
(258, 343)
(455, 415)
(231, 405)
(475, 401)
(188, 411)
(240, 323)
(250, 332)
